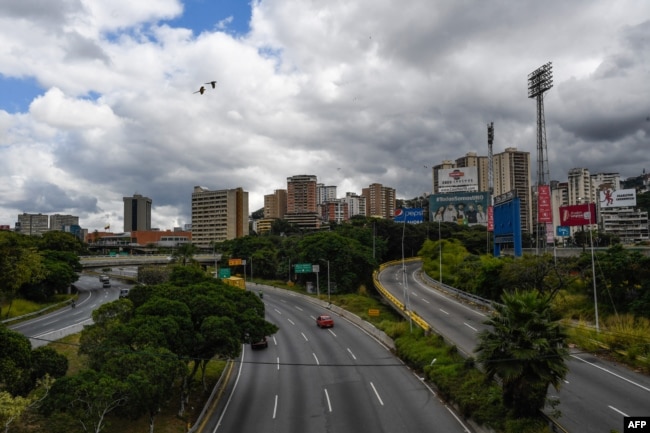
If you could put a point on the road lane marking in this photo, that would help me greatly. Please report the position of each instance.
(331, 332)
(612, 373)
(316, 358)
(425, 300)
(616, 410)
(443, 311)
(291, 321)
(278, 311)
(352, 354)
(376, 393)
(304, 336)
(275, 406)
(470, 327)
(278, 362)
(327, 397)
(298, 308)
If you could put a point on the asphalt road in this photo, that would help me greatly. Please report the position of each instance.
(68, 320)
(325, 380)
(596, 394)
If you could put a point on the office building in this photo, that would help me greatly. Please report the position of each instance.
(32, 224)
(58, 222)
(380, 201)
(218, 215)
(137, 213)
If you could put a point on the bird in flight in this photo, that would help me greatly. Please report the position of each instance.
(213, 83)
(201, 90)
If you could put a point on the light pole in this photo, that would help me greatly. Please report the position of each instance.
(404, 279)
(593, 265)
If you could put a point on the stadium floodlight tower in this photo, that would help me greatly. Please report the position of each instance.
(540, 81)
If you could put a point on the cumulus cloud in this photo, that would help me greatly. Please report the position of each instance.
(355, 93)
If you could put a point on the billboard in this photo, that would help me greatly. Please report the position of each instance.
(578, 215)
(467, 208)
(617, 198)
(457, 179)
(409, 215)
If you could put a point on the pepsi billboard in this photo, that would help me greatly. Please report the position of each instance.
(409, 215)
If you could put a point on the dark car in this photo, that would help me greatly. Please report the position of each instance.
(261, 344)
(325, 321)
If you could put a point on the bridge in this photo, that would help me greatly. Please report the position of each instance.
(92, 262)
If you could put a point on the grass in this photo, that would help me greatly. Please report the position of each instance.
(20, 307)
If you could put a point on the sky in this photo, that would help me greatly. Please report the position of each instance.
(98, 102)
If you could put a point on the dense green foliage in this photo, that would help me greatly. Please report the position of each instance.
(139, 347)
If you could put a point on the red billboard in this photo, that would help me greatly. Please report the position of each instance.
(544, 211)
(578, 215)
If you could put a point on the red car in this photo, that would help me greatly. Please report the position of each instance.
(325, 321)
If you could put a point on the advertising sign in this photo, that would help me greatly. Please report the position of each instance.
(578, 215)
(467, 208)
(234, 262)
(409, 215)
(617, 198)
(544, 211)
(490, 223)
(457, 179)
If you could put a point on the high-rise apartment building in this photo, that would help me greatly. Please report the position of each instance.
(32, 224)
(356, 204)
(137, 213)
(512, 172)
(302, 206)
(435, 170)
(218, 215)
(325, 193)
(380, 201)
(275, 205)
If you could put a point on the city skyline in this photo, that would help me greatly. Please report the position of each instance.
(100, 100)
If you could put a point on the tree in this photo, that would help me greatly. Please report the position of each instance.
(525, 348)
(88, 397)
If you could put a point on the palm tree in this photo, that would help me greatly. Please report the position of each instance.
(525, 350)
(185, 253)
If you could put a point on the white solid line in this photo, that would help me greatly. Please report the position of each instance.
(327, 397)
(470, 327)
(458, 419)
(616, 410)
(376, 393)
(234, 387)
(352, 354)
(612, 373)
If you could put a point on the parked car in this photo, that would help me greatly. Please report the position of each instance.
(261, 344)
(325, 321)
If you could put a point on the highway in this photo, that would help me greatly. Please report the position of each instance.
(325, 380)
(596, 395)
(59, 323)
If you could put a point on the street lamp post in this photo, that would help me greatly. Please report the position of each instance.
(593, 264)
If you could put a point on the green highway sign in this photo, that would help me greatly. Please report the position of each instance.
(224, 273)
(302, 268)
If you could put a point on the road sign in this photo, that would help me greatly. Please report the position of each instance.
(224, 273)
(563, 231)
(373, 312)
(234, 262)
(302, 268)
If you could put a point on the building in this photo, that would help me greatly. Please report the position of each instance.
(32, 224)
(446, 164)
(512, 173)
(380, 201)
(335, 210)
(218, 215)
(356, 204)
(325, 193)
(59, 222)
(137, 213)
(302, 206)
(275, 205)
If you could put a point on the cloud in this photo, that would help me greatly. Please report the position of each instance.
(354, 93)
